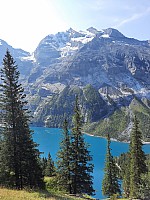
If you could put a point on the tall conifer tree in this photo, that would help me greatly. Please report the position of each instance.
(74, 160)
(137, 160)
(49, 169)
(63, 162)
(80, 157)
(126, 180)
(19, 165)
(110, 184)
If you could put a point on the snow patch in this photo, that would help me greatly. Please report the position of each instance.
(83, 40)
(105, 36)
(74, 45)
(87, 33)
(132, 70)
(68, 50)
(28, 58)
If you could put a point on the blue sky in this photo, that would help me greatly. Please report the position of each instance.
(23, 23)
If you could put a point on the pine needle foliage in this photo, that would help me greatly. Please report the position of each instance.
(80, 157)
(49, 168)
(19, 165)
(63, 160)
(74, 159)
(110, 185)
(137, 160)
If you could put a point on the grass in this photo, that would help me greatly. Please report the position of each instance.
(8, 194)
(51, 193)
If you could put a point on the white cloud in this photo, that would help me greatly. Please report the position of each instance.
(134, 17)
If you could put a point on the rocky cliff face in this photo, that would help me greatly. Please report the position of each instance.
(104, 68)
(93, 57)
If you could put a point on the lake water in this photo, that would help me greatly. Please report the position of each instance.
(49, 139)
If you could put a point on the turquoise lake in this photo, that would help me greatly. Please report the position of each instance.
(49, 139)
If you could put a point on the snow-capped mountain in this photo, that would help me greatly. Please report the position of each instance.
(63, 44)
(100, 58)
(106, 69)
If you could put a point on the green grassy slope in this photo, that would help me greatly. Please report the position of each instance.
(119, 124)
(51, 193)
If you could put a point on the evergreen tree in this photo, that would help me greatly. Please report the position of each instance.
(80, 165)
(19, 157)
(126, 181)
(145, 186)
(49, 169)
(137, 160)
(123, 163)
(43, 162)
(110, 184)
(74, 167)
(63, 163)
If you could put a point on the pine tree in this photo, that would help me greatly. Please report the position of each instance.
(63, 162)
(49, 169)
(43, 162)
(80, 165)
(126, 180)
(137, 160)
(74, 160)
(19, 157)
(110, 184)
(145, 186)
(123, 161)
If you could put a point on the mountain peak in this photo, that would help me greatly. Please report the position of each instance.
(111, 32)
(71, 30)
(73, 33)
(92, 30)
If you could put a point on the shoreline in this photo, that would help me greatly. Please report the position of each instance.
(112, 139)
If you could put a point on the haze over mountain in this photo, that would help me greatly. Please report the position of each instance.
(108, 71)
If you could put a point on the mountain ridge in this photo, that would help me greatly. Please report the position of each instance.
(105, 68)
